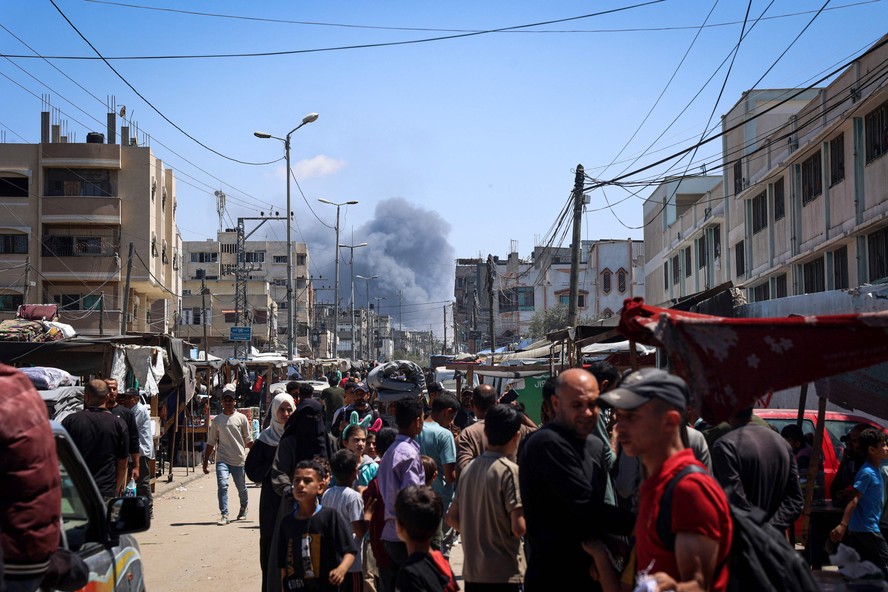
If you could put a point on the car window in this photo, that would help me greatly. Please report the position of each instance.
(838, 428)
(76, 521)
(780, 423)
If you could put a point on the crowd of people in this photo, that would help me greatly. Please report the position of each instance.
(615, 489)
(360, 495)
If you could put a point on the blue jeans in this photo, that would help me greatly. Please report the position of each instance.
(223, 470)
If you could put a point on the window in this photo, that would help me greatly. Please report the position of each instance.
(780, 290)
(876, 132)
(78, 182)
(621, 281)
(812, 180)
(11, 302)
(759, 212)
(666, 275)
(186, 292)
(13, 244)
(280, 282)
(519, 298)
(74, 241)
(67, 301)
(228, 248)
(279, 259)
(564, 298)
(260, 317)
(779, 209)
(205, 257)
(814, 276)
(254, 257)
(837, 159)
(738, 177)
(877, 246)
(13, 186)
(192, 316)
(282, 305)
(676, 272)
(300, 259)
(701, 252)
(761, 292)
(606, 281)
(229, 316)
(687, 257)
(840, 268)
(740, 258)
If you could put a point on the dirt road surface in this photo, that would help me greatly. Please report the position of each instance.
(185, 551)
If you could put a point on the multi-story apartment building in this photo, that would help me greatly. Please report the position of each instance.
(804, 195)
(611, 270)
(266, 264)
(70, 213)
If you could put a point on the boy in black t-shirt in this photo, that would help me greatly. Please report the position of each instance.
(315, 546)
(418, 511)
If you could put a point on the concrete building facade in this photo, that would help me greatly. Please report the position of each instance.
(266, 262)
(70, 212)
(611, 270)
(804, 205)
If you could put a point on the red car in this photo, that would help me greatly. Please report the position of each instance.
(837, 425)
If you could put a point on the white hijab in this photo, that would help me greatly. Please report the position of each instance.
(272, 434)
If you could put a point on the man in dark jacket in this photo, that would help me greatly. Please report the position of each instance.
(30, 484)
(563, 477)
(756, 468)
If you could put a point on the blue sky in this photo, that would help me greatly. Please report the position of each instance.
(477, 136)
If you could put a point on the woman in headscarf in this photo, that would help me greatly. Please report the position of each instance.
(258, 469)
(304, 438)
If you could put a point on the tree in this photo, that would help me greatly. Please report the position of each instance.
(551, 319)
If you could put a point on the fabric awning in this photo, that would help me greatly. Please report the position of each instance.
(730, 363)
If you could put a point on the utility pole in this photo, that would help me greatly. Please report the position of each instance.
(126, 290)
(575, 247)
(241, 272)
(203, 311)
(101, 314)
(444, 343)
(26, 289)
(400, 303)
(490, 275)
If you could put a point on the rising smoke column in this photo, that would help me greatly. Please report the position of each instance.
(408, 249)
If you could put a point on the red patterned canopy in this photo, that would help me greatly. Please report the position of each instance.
(730, 363)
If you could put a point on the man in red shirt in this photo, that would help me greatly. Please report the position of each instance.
(650, 410)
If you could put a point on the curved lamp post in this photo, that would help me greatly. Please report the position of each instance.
(286, 140)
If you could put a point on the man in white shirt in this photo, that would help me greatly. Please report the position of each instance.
(231, 435)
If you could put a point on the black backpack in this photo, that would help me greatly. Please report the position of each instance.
(760, 558)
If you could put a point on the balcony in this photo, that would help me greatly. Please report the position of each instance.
(79, 268)
(81, 210)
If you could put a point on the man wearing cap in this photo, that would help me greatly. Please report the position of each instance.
(757, 468)
(131, 401)
(650, 407)
(563, 478)
(231, 435)
(434, 389)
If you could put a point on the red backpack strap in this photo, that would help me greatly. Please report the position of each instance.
(443, 566)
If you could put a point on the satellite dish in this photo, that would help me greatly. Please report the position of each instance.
(122, 110)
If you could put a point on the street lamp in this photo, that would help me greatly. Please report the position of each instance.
(305, 120)
(336, 279)
(378, 319)
(372, 277)
(351, 265)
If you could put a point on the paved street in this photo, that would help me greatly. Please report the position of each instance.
(186, 551)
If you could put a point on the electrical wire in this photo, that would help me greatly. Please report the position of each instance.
(149, 103)
(364, 45)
